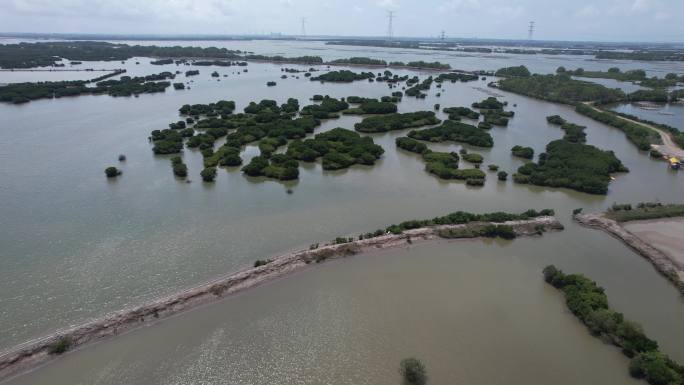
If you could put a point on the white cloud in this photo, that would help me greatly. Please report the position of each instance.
(643, 5)
(388, 4)
(583, 19)
(589, 11)
(507, 12)
(459, 5)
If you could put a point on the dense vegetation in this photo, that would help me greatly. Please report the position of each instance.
(612, 73)
(327, 109)
(416, 90)
(218, 63)
(265, 122)
(676, 135)
(461, 217)
(494, 114)
(642, 55)
(560, 88)
(523, 152)
(519, 72)
(397, 121)
(491, 103)
(421, 64)
(27, 55)
(473, 157)
(655, 96)
(589, 303)
(339, 148)
(641, 136)
(208, 174)
(442, 164)
(278, 166)
(373, 107)
(456, 76)
(282, 59)
(577, 166)
(126, 86)
(455, 113)
(360, 61)
(61, 345)
(413, 371)
(644, 210)
(411, 145)
(343, 76)
(112, 172)
(497, 117)
(573, 132)
(454, 131)
(179, 168)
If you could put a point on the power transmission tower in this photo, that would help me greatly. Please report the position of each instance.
(303, 26)
(530, 32)
(442, 36)
(390, 32)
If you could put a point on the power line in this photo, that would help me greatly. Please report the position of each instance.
(390, 32)
(303, 26)
(530, 32)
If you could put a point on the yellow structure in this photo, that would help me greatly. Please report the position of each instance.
(675, 163)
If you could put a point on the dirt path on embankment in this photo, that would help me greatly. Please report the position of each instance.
(33, 353)
(668, 148)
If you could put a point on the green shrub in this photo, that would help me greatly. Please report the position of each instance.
(208, 174)
(413, 371)
(411, 145)
(261, 262)
(397, 121)
(560, 88)
(475, 182)
(112, 172)
(454, 131)
(523, 152)
(577, 166)
(60, 346)
(473, 158)
(339, 148)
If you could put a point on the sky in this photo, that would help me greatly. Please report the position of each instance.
(588, 20)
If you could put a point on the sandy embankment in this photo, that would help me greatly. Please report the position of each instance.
(653, 239)
(666, 234)
(36, 352)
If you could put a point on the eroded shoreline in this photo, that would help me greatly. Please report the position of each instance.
(36, 352)
(661, 261)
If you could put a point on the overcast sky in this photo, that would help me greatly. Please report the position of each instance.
(603, 20)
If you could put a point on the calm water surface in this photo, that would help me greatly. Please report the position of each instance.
(76, 246)
(475, 313)
(671, 114)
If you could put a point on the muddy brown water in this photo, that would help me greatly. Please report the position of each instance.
(75, 246)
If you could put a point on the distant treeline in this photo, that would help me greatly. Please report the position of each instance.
(18, 93)
(664, 55)
(27, 55)
(562, 88)
(642, 55)
(46, 54)
(637, 76)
